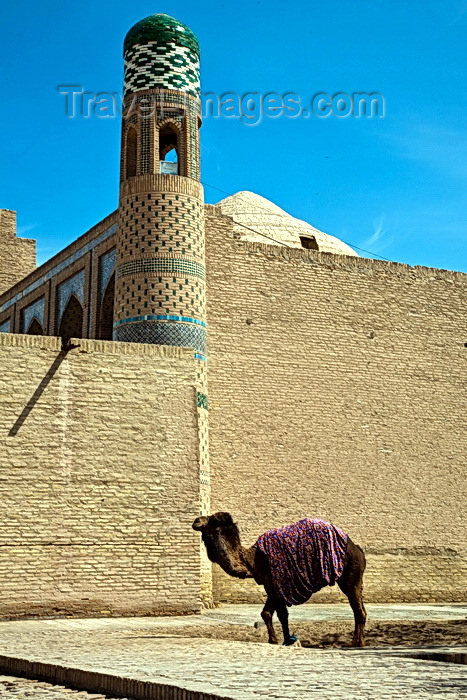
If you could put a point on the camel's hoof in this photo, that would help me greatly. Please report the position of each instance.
(293, 641)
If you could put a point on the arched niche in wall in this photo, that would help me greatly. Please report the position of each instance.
(71, 325)
(35, 328)
(107, 311)
(131, 152)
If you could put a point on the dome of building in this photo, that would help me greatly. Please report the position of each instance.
(161, 54)
(257, 219)
(162, 29)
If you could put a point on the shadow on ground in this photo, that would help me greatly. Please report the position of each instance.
(334, 634)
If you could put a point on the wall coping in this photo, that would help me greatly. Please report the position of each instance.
(349, 262)
(41, 342)
(85, 345)
(335, 261)
(113, 347)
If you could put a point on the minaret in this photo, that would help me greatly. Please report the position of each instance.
(160, 287)
(160, 292)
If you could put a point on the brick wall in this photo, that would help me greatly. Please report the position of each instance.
(100, 478)
(17, 255)
(337, 390)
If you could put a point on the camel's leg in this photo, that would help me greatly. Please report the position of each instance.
(355, 597)
(351, 583)
(283, 615)
(267, 614)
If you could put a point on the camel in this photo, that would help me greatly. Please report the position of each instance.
(221, 537)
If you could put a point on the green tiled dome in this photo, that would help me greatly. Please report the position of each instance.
(164, 30)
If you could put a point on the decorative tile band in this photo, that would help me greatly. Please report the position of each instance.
(172, 266)
(163, 333)
(160, 317)
(5, 326)
(35, 310)
(202, 400)
(61, 266)
(166, 66)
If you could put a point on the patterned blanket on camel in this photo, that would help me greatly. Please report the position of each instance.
(304, 557)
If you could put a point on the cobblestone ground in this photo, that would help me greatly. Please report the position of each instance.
(22, 688)
(145, 649)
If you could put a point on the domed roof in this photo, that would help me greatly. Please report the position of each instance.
(261, 216)
(163, 29)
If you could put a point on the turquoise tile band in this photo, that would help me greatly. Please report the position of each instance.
(160, 317)
(163, 266)
(186, 335)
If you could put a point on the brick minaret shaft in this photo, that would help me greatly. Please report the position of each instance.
(160, 294)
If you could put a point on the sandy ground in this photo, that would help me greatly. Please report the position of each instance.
(327, 634)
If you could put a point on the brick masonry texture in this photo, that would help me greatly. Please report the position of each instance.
(336, 385)
(100, 478)
(160, 225)
(17, 255)
(337, 390)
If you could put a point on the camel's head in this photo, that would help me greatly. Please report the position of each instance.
(210, 523)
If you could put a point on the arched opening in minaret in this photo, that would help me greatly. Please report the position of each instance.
(35, 328)
(71, 325)
(107, 311)
(168, 150)
(131, 152)
(171, 156)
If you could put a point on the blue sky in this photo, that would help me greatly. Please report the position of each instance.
(394, 185)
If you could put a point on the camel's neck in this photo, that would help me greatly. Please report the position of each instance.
(248, 556)
(226, 550)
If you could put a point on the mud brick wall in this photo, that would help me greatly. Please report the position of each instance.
(99, 478)
(337, 390)
(17, 255)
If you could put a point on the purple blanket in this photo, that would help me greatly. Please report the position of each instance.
(304, 557)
